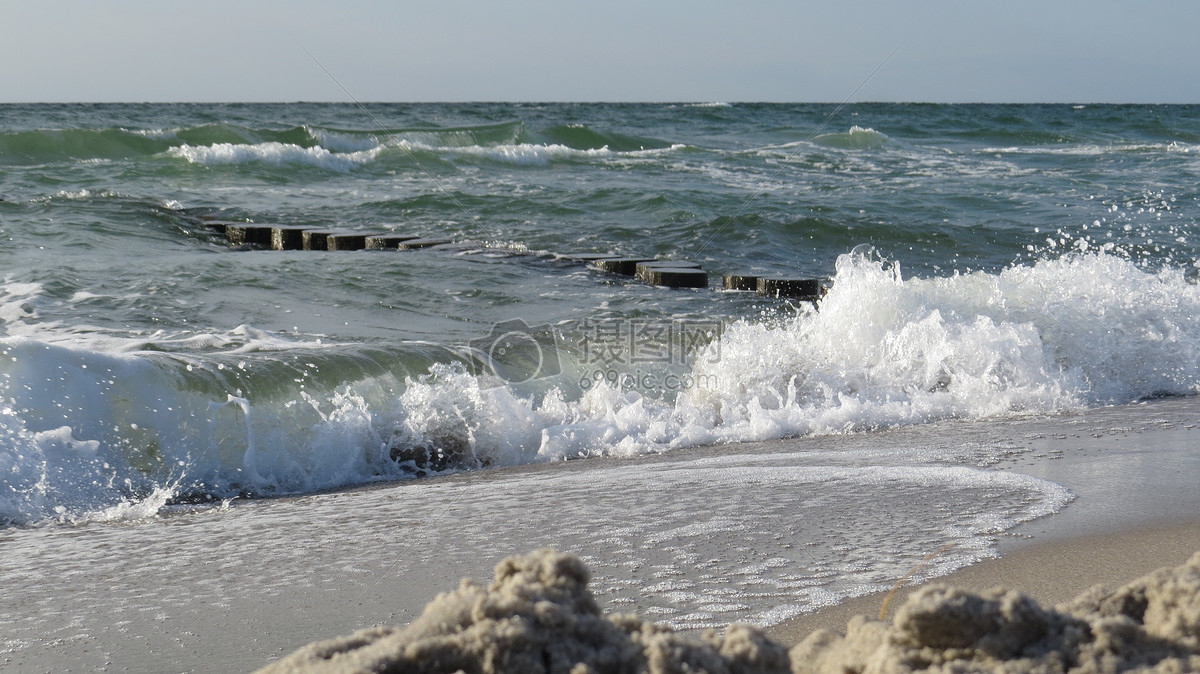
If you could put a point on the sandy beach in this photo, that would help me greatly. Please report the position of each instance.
(1051, 572)
(1137, 509)
(185, 593)
(1124, 524)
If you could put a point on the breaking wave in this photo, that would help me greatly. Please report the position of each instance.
(88, 433)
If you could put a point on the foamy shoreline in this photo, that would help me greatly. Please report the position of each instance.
(232, 591)
(537, 616)
(1137, 510)
(1051, 572)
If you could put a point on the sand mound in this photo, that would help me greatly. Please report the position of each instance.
(538, 616)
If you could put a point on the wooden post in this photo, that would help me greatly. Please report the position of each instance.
(642, 269)
(388, 241)
(242, 233)
(413, 244)
(625, 266)
(288, 237)
(801, 289)
(676, 277)
(739, 282)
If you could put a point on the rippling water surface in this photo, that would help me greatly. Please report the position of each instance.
(981, 262)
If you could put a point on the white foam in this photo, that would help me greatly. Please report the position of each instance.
(17, 301)
(1090, 149)
(157, 134)
(857, 138)
(343, 142)
(273, 153)
(765, 541)
(534, 154)
(344, 152)
(1060, 334)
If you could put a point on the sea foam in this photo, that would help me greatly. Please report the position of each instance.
(1080, 330)
(351, 153)
(274, 153)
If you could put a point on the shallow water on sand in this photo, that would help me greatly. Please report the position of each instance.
(756, 532)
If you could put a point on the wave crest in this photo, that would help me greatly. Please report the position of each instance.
(1081, 330)
(273, 153)
(857, 138)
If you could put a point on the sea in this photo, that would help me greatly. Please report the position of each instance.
(978, 263)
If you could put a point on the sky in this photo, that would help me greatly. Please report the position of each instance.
(1098, 51)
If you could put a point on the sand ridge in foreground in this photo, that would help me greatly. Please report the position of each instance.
(539, 616)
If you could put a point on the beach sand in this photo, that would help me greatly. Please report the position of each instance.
(189, 594)
(1137, 509)
(1051, 572)
(538, 615)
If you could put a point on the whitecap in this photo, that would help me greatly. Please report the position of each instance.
(273, 153)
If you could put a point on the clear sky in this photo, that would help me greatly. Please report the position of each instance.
(611, 50)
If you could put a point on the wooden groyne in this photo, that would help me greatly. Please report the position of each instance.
(660, 272)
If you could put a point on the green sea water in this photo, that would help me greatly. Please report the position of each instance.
(981, 261)
(186, 424)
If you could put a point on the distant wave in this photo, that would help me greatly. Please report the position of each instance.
(583, 137)
(857, 138)
(1092, 149)
(540, 155)
(280, 154)
(35, 147)
(328, 148)
(32, 147)
(273, 153)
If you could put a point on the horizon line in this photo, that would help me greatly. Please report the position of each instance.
(697, 102)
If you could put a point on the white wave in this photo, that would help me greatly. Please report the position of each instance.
(274, 153)
(857, 138)
(350, 153)
(1089, 149)
(156, 134)
(1077, 331)
(343, 142)
(531, 154)
(1059, 335)
(18, 301)
(86, 431)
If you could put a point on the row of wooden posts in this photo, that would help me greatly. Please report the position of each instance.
(658, 272)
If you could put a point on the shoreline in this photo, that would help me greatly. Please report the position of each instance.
(185, 593)
(1051, 572)
(1137, 509)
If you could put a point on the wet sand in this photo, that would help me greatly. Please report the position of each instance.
(1137, 509)
(1050, 572)
(188, 593)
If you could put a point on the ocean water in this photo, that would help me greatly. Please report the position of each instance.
(982, 263)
